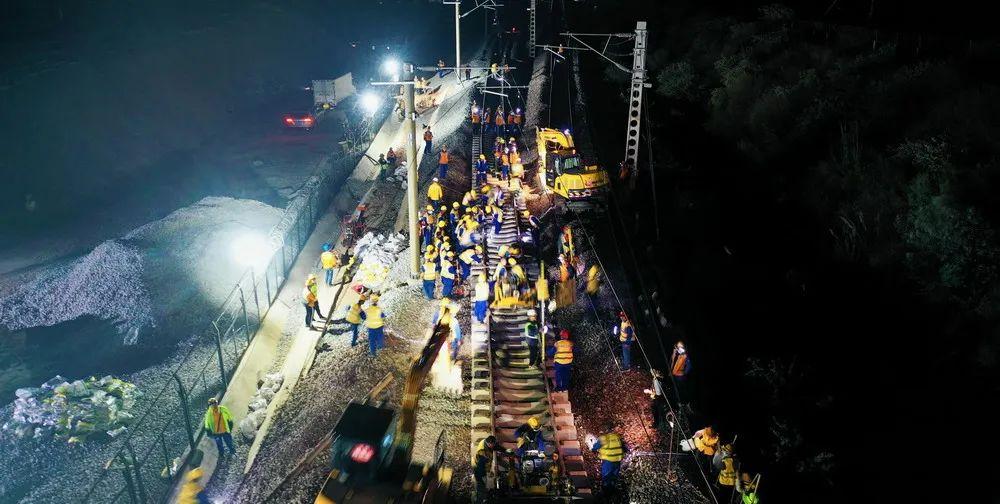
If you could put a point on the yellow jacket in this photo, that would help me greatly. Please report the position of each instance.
(329, 260)
(434, 192)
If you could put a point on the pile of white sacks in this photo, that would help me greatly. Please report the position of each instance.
(399, 175)
(258, 405)
(377, 253)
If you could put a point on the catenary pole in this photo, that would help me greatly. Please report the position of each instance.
(410, 130)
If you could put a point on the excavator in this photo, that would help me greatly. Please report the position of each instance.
(561, 169)
(372, 447)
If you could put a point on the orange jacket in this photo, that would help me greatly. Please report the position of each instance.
(499, 119)
(444, 158)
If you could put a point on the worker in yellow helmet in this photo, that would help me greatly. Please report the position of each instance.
(562, 357)
(353, 318)
(435, 192)
(529, 437)
(610, 450)
(329, 261)
(374, 319)
(448, 275)
(728, 466)
(468, 257)
(429, 275)
(193, 492)
(704, 441)
(218, 424)
(482, 297)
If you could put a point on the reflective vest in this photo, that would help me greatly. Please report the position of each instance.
(475, 118)
(434, 192)
(611, 448)
(531, 332)
(308, 297)
(727, 476)
(499, 120)
(564, 352)
(373, 317)
(354, 313)
(217, 419)
(680, 365)
(705, 443)
(517, 272)
(482, 291)
(329, 260)
(468, 256)
(750, 498)
(430, 270)
(592, 284)
(448, 271)
(443, 159)
(623, 335)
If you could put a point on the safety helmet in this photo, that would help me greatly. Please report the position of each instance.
(430, 248)
(312, 276)
(435, 179)
(374, 298)
(327, 247)
(450, 254)
(444, 208)
(534, 423)
(440, 224)
(213, 401)
(511, 139)
(482, 156)
(195, 474)
(564, 333)
(486, 189)
(501, 140)
(511, 261)
(445, 302)
(525, 213)
(531, 314)
(479, 248)
(454, 204)
(430, 208)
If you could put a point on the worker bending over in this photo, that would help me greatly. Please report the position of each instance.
(610, 450)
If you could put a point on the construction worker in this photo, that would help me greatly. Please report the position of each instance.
(468, 257)
(518, 119)
(531, 336)
(680, 367)
(505, 165)
(440, 68)
(375, 322)
(390, 156)
(353, 318)
(218, 424)
(428, 138)
(430, 274)
(562, 357)
(443, 163)
(566, 243)
(517, 275)
(193, 492)
(481, 465)
(529, 437)
(610, 450)
(482, 167)
(593, 281)
(314, 288)
(500, 126)
(446, 316)
(329, 261)
(747, 488)
(311, 305)
(704, 441)
(447, 275)
(658, 405)
(435, 192)
(477, 119)
(626, 336)
(728, 466)
(383, 167)
(482, 298)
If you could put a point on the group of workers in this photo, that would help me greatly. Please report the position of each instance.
(500, 123)
(721, 458)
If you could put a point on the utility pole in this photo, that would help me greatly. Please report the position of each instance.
(458, 40)
(410, 130)
(635, 101)
(531, 30)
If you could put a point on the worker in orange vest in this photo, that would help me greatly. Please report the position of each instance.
(443, 163)
(428, 137)
(680, 366)
(500, 127)
(477, 119)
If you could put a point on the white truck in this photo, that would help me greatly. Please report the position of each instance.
(328, 92)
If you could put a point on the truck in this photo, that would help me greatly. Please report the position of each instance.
(327, 93)
(561, 170)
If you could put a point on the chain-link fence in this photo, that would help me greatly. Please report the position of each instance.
(171, 426)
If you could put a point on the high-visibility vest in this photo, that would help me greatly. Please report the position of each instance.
(443, 159)
(430, 270)
(623, 331)
(564, 352)
(517, 272)
(217, 419)
(531, 332)
(611, 448)
(373, 317)
(329, 260)
(468, 256)
(308, 297)
(679, 365)
(448, 271)
(482, 291)
(475, 118)
(592, 284)
(499, 120)
(354, 313)
(727, 476)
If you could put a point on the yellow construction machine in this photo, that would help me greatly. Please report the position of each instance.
(561, 170)
(372, 447)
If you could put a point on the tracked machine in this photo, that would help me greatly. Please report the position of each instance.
(562, 170)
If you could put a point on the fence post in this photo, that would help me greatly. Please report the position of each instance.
(136, 469)
(246, 319)
(187, 412)
(166, 455)
(256, 301)
(218, 348)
